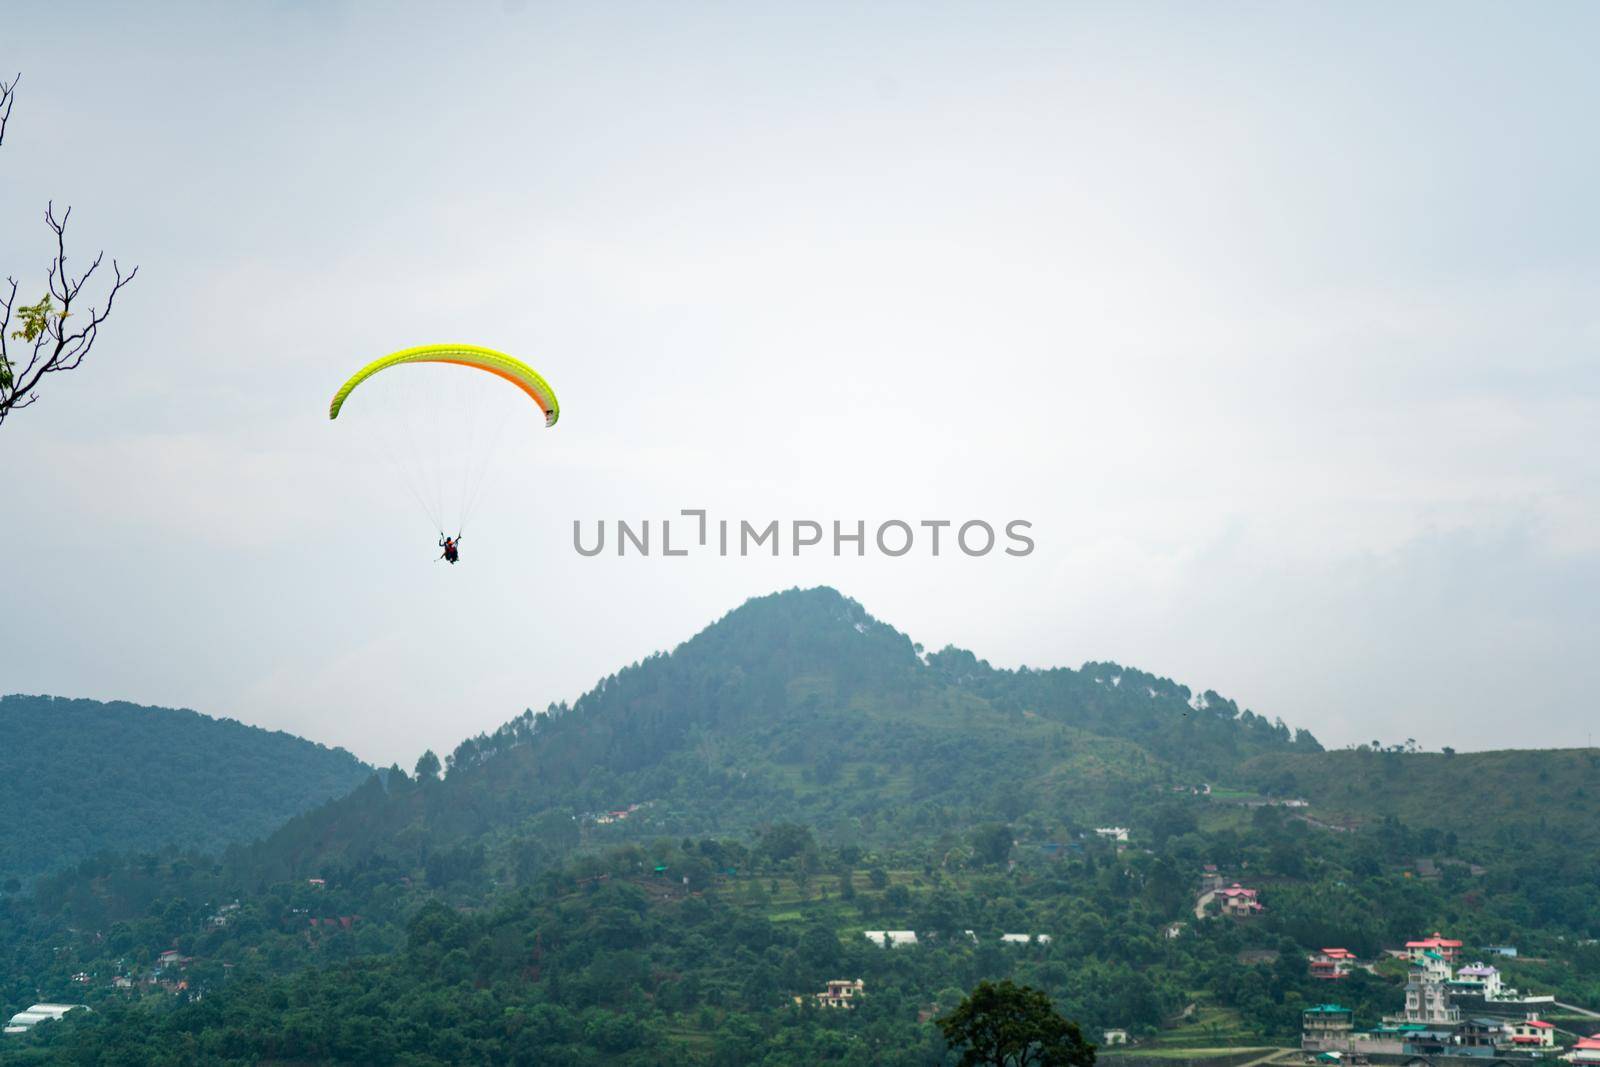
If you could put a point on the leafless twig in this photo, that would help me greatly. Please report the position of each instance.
(8, 96)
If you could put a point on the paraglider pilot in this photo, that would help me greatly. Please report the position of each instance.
(449, 544)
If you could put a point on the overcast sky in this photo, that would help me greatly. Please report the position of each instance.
(1278, 321)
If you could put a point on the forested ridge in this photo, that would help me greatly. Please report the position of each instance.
(654, 873)
(79, 777)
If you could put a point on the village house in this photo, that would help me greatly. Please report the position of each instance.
(1437, 944)
(1326, 1028)
(1238, 902)
(1331, 963)
(1586, 1051)
(1478, 978)
(1118, 834)
(1532, 1032)
(614, 815)
(1480, 1033)
(1114, 1037)
(1428, 994)
(841, 993)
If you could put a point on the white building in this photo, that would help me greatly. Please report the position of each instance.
(841, 993)
(1115, 833)
(891, 938)
(1025, 939)
(1427, 998)
(1480, 978)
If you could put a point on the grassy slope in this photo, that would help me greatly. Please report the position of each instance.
(1549, 792)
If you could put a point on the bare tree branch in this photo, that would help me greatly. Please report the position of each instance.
(8, 96)
(50, 343)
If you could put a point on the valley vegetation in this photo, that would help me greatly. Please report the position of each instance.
(672, 868)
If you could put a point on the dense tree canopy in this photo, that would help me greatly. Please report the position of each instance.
(78, 777)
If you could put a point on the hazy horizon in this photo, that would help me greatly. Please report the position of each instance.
(1276, 322)
(1244, 705)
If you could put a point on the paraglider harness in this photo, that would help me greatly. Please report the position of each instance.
(450, 546)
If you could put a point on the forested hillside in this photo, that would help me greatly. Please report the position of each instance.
(78, 777)
(802, 706)
(655, 873)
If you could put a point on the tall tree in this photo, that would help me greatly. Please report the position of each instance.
(37, 339)
(1002, 1024)
(991, 842)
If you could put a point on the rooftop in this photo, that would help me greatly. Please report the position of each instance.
(1436, 941)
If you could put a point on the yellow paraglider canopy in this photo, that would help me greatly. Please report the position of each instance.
(512, 370)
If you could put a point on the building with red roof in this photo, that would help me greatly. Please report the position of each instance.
(1587, 1050)
(1532, 1032)
(1438, 943)
(1238, 901)
(1332, 963)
